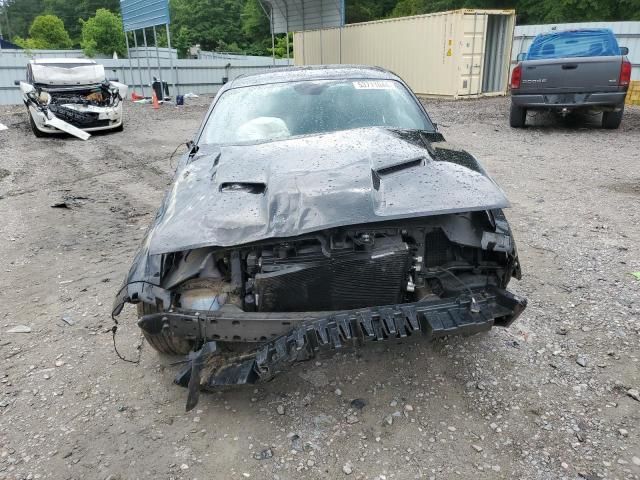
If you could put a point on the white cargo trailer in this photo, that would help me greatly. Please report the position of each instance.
(461, 53)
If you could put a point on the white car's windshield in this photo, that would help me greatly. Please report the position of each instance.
(275, 111)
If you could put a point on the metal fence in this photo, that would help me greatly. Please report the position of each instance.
(627, 33)
(4, 53)
(196, 76)
(163, 52)
(238, 60)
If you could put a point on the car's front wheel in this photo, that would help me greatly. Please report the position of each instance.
(163, 341)
(612, 120)
(517, 116)
(37, 132)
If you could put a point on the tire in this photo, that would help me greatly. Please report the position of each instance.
(611, 120)
(163, 341)
(36, 132)
(517, 116)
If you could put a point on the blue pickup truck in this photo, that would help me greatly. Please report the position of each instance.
(564, 71)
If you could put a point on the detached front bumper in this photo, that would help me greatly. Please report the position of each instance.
(92, 119)
(282, 339)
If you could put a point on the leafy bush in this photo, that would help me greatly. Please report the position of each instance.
(46, 32)
(103, 34)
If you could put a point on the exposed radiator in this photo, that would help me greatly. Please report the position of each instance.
(343, 281)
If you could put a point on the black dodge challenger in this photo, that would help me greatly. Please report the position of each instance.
(318, 207)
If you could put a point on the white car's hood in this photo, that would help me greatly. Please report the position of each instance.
(60, 76)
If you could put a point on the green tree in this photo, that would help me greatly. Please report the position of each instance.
(182, 40)
(552, 11)
(255, 23)
(255, 29)
(47, 32)
(365, 10)
(72, 12)
(103, 34)
(209, 22)
(405, 8)
(18, 16)
(281, 46)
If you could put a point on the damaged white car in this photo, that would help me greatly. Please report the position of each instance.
(71, 95)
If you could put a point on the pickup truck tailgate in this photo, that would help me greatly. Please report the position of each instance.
(567, 75)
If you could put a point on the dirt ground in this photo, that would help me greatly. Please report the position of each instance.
(546, 399)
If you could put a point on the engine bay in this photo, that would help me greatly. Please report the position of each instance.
(105, 94)
(347, 268)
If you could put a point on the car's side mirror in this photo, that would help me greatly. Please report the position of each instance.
(624, 50)
(521, 56)
(17, 82)
(193, 148)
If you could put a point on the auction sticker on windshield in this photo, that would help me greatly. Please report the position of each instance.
(374, 85)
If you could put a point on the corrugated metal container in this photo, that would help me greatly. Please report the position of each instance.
(461, 53)
(633, 95)
(627, 33)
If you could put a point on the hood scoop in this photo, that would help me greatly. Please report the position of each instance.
(254, 188)
(377, 174)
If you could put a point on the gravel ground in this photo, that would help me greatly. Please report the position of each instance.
(549, 398)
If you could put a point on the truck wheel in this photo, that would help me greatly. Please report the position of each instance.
(517, 116)
(611, 120)
(36, 132)
(163, 341)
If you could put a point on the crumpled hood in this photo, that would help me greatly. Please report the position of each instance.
(242, 194)
(90, 74)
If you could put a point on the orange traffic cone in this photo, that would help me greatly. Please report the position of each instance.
(135, 96)
(154, 100)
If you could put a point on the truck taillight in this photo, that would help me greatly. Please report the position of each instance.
(625, 73)
(516, 77)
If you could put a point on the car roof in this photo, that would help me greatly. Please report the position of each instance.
(46, 61)
(314, 72)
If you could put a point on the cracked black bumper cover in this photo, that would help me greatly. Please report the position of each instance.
(462, 315)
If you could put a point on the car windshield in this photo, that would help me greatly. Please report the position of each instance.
(581, 43)
(276, 111)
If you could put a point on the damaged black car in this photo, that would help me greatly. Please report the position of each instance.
(319, 207)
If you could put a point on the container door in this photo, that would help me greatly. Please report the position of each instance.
(472, 50)
(496, 63)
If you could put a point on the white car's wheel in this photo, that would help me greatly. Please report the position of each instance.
(38, 133)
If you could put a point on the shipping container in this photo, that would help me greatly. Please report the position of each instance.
(461, 53)
(633, 94)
